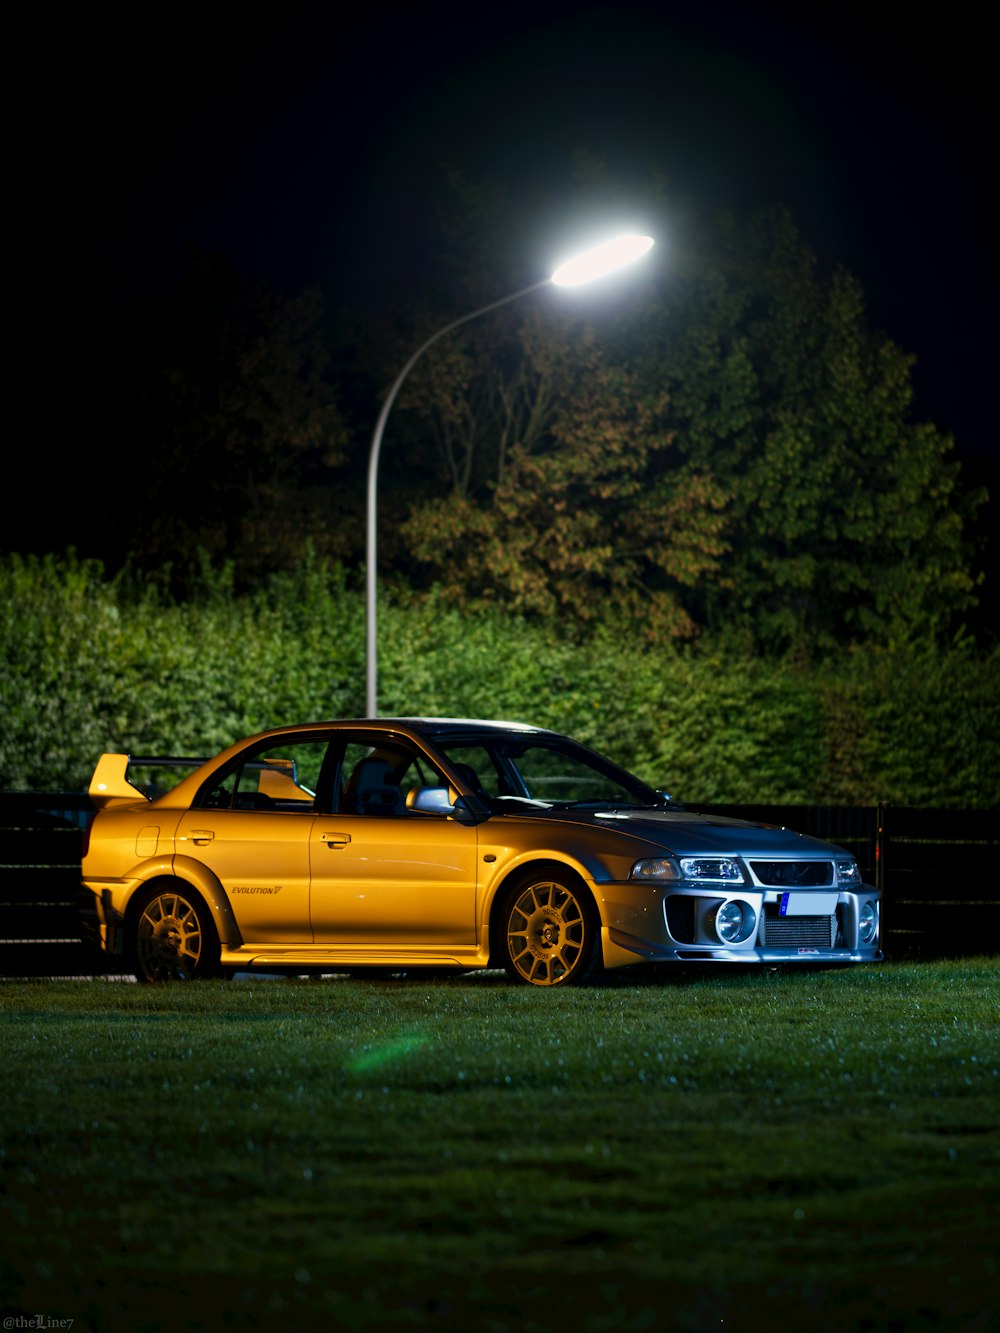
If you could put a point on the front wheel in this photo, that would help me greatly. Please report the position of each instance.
(549, 933)
(174, 938)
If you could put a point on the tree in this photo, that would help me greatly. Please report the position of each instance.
(236, 432)
(558, 507)
(731, 448)
(846, 517)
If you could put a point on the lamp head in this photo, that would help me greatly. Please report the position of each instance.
(600, 260)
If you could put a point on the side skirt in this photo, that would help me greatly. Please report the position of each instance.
(331, 957)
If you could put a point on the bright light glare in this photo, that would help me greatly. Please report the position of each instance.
(602, 259)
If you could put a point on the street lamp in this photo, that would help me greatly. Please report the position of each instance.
(594, 263)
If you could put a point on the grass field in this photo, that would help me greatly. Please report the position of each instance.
(726, 1151)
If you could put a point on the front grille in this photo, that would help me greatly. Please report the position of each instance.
(797, 932)
(793, 874)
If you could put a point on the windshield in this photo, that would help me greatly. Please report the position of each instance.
(551, 772)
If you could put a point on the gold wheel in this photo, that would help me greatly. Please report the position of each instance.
(174, 939)
(549, 938)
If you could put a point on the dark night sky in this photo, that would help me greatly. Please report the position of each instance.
(298, 143)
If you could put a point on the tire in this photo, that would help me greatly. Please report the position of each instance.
(548, 931)
(173, 937)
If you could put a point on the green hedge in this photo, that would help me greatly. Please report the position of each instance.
(92, 664)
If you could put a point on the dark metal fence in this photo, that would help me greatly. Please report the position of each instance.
(41, 837)
(937, 870)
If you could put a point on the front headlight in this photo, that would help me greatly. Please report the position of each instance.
(655, 867)
(712, 869)
(867, 923)
(848, 872)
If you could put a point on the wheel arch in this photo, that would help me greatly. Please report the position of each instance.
(156, 951)
(536, 865)
(198, 880)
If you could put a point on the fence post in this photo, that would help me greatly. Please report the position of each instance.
(881, 843)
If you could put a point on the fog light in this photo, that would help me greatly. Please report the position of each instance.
(868, 923)
(734, 922)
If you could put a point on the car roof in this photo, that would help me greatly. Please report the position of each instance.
(428, 728)
(447, 726)
(422, 726)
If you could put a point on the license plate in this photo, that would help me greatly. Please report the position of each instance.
(807, 904)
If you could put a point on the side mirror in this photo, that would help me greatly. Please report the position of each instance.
(445, 801)
(431, 800)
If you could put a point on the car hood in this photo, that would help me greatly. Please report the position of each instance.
(686, 833)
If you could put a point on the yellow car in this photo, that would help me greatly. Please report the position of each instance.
(444, 843)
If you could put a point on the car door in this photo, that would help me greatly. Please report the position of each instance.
(384, 874)
(251, 826)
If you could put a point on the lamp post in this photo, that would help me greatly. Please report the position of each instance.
(582, 268)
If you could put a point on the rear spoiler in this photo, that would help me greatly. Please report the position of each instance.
(110, 785)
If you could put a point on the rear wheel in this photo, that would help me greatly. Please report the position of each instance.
(549, 932)
(173, 937)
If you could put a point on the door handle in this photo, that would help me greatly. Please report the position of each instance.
(335, 839)
(200, 837)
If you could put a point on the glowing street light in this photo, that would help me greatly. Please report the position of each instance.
(594, 263)
(601, 260)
